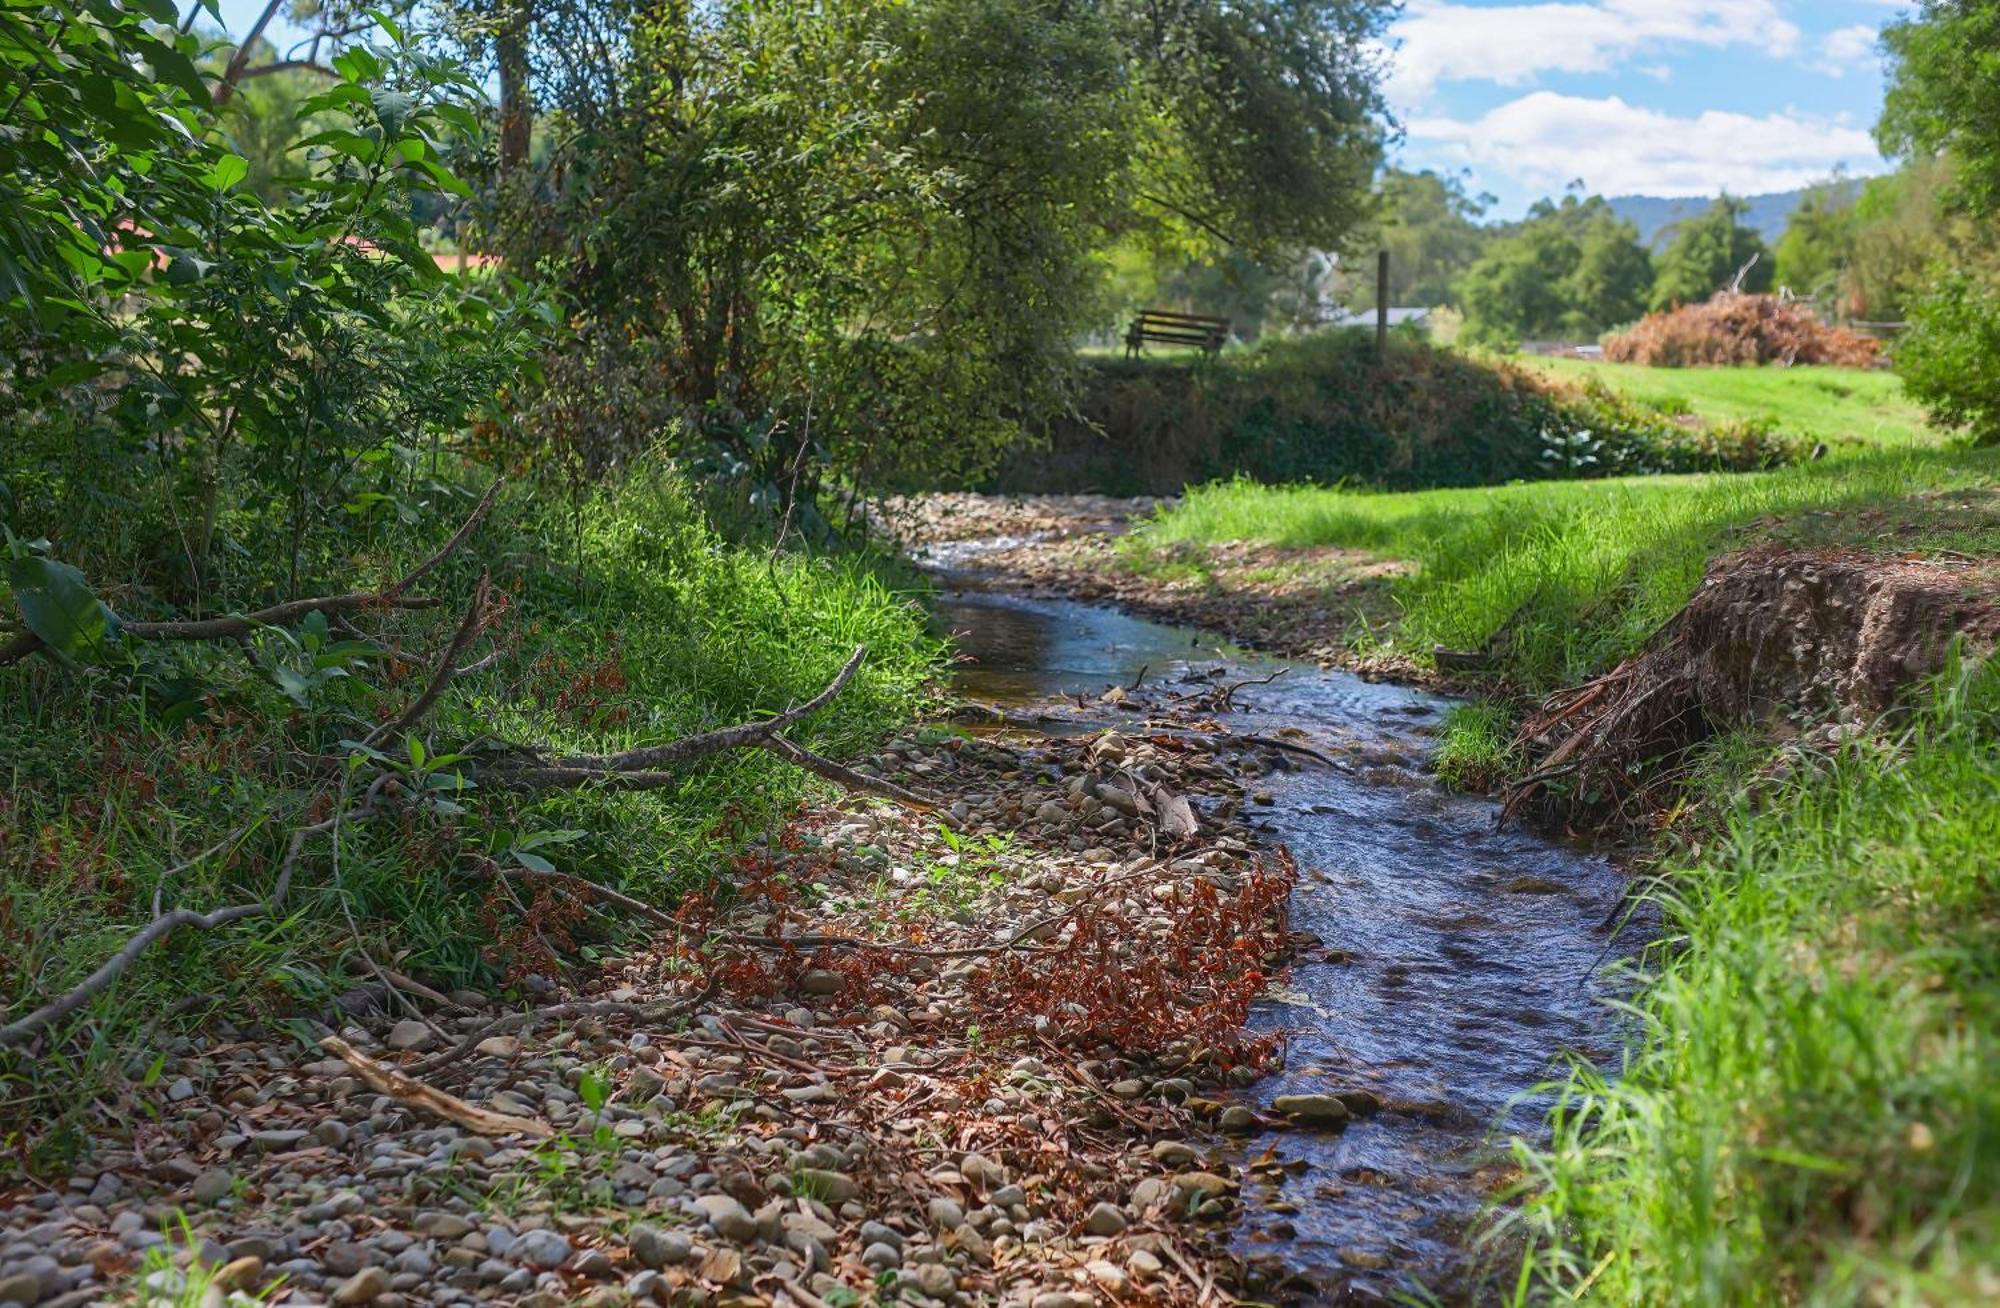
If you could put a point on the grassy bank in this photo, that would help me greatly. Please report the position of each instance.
(624, 621)
(1860, 406)
(1811, 1111)
(1322, 408)
(1559, 580)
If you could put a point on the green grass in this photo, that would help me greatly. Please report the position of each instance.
(1563, 579)
(1838, 405)
(1811, 1113)
(1475, 746)
(625, 623)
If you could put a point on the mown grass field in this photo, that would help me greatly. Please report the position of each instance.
(1841, 406)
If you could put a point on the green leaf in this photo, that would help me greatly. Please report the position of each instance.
(394, 109)
(532, 862)
(57, 605)
(226, 171)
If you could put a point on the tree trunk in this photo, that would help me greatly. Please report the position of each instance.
(517, 111)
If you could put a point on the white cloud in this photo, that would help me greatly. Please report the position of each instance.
(1542, 140)
(1844, 47)
(1438, 41)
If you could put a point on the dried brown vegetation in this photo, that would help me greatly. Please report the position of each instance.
(1736, 328)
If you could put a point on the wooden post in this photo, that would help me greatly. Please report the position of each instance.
(1381, 305)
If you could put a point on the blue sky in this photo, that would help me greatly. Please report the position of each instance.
(1651, 97)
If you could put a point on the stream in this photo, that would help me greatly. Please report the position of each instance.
(1463, 962)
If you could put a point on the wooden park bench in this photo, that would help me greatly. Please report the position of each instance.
(1165, 328)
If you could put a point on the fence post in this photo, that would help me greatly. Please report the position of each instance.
(1381, 305)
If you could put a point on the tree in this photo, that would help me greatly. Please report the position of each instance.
(1944, 92)
(1814, 254)
(1429, 227)
(867, 232)
(1707, 253)
(1569, 269)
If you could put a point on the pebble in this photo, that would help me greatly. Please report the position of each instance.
(212, 1185)
(540, 1249)
(1313, 1110)
(881, 1257)
(656, 1247)
(410, 1035)
(1104, 1219)
(365, 1286)
(731, 1220)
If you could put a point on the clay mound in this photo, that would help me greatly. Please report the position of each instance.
(1772, 640)
(1737, 328)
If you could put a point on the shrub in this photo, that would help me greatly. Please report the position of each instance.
(1735, 328)
(1950, 358)
(1318, 408)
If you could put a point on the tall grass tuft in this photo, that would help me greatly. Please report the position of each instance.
(1811, 1113)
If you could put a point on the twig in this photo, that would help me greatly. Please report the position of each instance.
(406, 1090)
(441, 674)
(451, 546)
(589, 888)
(162, 926)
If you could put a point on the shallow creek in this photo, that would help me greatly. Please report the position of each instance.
(1462, 962)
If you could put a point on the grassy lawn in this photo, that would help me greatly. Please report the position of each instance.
(1836, 405)
(1563, 579)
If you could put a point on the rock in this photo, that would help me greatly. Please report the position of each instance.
(830, 1187)
(540, 1249)
(500, 1046)
(1206, 1185)
(212, 1185)
(1173, 1153)
(1144, 1264)
(947, 1214)
(1108, 1275)
(605, 1296)
(1104, 1219)
(1359, 1102)
(240, 1273)
(277, 1139)
(410, 1034)
(444, 1226)
(1148, 1192)
(1313, 1110)
(181, 1090)
(881, 1257)
(981, 1170)
(936, 1280)
(21, 1288)
(1062, 1299)
(656, 1247)
(1237, 1120)
(731, 1220)
(819, 981)
(363, 1287)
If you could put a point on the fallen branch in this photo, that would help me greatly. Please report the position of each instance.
(165, 924)
(584, 885)
(442, 671)
(415, 1094)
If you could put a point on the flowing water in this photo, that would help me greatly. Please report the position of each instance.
(1463, 962)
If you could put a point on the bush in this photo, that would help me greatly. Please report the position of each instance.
(1318, 408)
(1950, 357)
(1734, 328)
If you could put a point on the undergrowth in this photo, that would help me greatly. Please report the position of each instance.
(626, 621)
(1811, 1113)
(1475, 747)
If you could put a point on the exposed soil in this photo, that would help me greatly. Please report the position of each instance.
(1776, 640)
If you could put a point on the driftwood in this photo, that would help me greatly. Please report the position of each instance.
(415, 1094)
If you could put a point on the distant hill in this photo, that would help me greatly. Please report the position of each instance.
(1653, 215)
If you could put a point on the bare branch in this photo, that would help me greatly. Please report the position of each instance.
(452, 546)
(442, 671)
(654, 1011)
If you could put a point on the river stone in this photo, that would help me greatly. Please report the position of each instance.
(212, 1185)
(819, 981)
(936, 1280)
(830, 1187)
(1104, 1219)
(656, 1247)
(362, 1287)
(1359, 1102)
(881, 1257)
(409, 1034)
(540, 1249)
(731, 1220)
(1313, 1110)
(1237, 1120)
